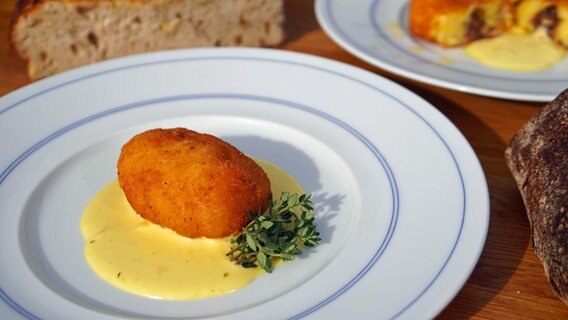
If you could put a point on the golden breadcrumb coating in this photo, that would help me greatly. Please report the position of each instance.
(195, 184)
(458, 22)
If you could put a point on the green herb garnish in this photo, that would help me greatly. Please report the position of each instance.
(281, 232)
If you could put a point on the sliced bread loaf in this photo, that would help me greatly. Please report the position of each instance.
(56, 35)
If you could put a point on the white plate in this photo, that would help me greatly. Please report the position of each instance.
(401, 199)
(376, 31)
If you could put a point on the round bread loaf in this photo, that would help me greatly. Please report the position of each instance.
(538, 158)
(195, 184)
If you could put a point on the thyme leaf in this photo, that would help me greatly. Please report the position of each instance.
(281, 233)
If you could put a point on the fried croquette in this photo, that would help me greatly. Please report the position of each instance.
(195, 184)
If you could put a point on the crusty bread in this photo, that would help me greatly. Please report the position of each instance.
(56, 35)
(538, 158)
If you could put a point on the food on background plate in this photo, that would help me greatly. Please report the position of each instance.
(550, 16)
(514, 35)
(538, 158)
(515, 52)
(457, 22)
(197, 184)
(57, 35)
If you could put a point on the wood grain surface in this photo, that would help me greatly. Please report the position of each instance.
(508, 281)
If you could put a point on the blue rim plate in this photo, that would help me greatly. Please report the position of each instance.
(376, 31)
(400, 197)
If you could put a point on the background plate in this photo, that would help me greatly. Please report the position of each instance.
(377, 31)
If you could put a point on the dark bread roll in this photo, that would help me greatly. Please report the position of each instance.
(538, 158)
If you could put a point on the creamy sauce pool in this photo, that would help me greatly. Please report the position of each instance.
(147, 259)
(517, 52)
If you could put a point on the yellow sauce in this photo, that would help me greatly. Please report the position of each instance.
(396, 31)
(143, 258)
(446, 61)
(517, 52)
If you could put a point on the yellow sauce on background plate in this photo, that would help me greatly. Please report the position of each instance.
(517, 52)
(144, 258)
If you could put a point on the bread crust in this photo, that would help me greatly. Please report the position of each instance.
(21, 9)
(22, 6)
(537, 156)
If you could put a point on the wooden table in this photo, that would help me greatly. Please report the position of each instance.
(508, 282)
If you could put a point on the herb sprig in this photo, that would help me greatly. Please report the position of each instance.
(282, 232)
